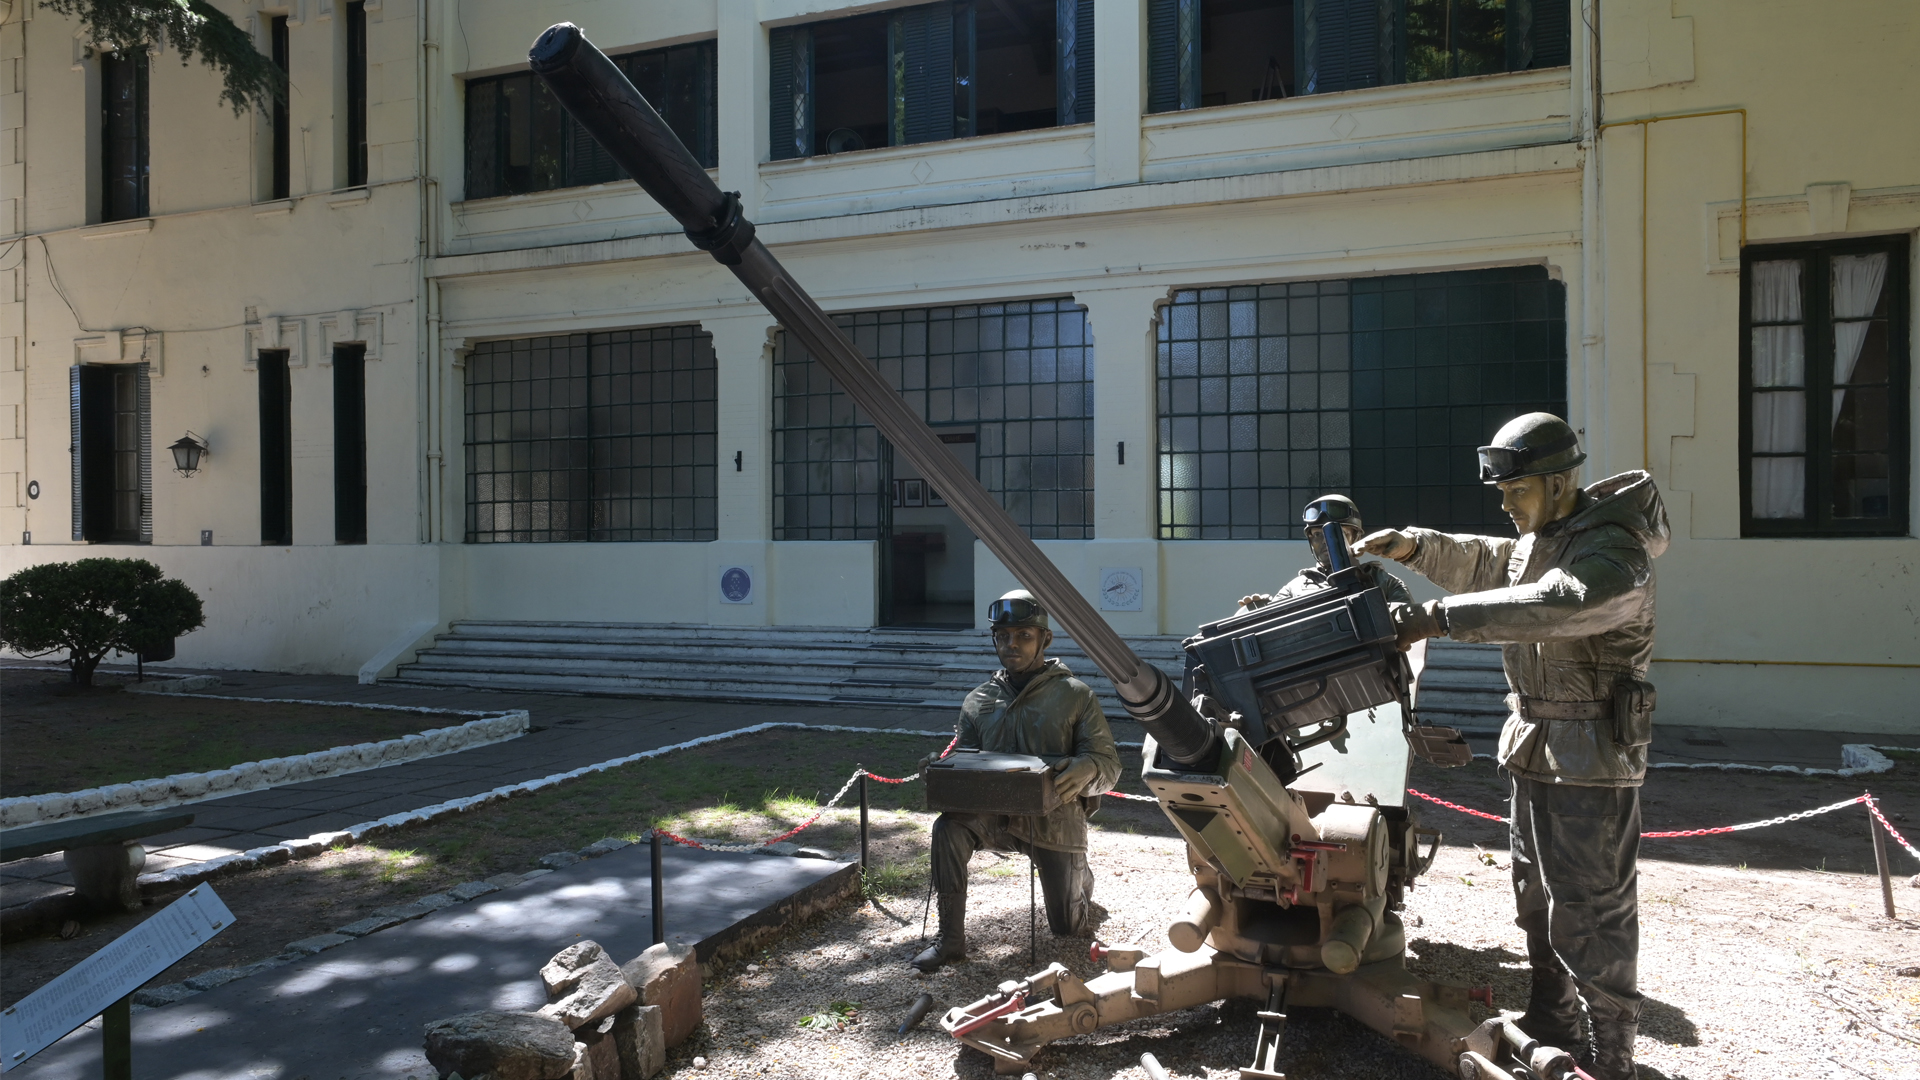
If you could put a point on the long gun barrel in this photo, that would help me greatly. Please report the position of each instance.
(606, 104)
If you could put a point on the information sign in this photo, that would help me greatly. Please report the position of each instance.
(85, 990)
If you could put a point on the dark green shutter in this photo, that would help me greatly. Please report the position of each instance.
(1538, 34)
(1346, 44)
(1073, 81)
(77, 450)
(1173, 55)
(790, 101)
(920, 75)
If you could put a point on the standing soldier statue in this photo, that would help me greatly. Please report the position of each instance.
(1033, 705)
(1571, 604)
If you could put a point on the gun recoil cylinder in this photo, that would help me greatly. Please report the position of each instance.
(598, 95)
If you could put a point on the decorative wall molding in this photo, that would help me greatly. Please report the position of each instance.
(275, 332)
(1822, 210)
(133, 346)
(351, 328)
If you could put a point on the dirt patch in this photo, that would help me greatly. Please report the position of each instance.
(61, 737)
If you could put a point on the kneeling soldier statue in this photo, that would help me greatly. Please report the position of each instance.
(1571, 604)
(1033, 705)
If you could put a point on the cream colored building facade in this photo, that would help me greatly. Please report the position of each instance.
(1640, 225)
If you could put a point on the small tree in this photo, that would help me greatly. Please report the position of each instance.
(92, 607)
(248, 79)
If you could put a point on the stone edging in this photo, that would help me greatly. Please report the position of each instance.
(182, 788)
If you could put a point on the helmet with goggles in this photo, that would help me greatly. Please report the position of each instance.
(1537, 444)
(1017, 608)
(1331, 508)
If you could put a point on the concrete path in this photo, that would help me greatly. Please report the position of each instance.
(570, 731)
(357, 1010)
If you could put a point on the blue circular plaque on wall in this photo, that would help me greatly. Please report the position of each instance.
(736, 585)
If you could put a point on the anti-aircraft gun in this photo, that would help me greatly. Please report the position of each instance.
(1294, 814)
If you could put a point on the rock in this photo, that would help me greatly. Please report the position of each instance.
(207, 980)
(471, 890)
(369, 925)
(1909, 972)
(436, 901)
(668, 975)
(304, 848)
(329, 839)
(598, 992)
(318, 943)
(813, 853)
(597, 1051)
(699, 1062)
(402, 912)
(505, 881)
(603, 847)
(531, 874)
(503, 1045)
(641, 1042)
(562, 973)
(558, 860)
(155, 996)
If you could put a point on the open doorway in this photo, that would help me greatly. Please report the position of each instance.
(930, 568)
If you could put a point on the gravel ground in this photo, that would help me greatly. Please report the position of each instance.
(1748, 973)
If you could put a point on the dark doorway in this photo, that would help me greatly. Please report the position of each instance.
(276, 449)
(350, 444)
(111, 494)
(930, 564)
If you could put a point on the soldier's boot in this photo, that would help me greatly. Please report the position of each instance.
(1611, 1054)
(1553, 1010)
(951, 944)
(1066, 883)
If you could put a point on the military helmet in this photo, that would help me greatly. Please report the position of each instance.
(1537, 444)
(1331, 508)
(1017, 608)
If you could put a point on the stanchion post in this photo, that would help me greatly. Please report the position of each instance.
(1880, 859)
(658, 888)
(863, 823)
(116, 1040)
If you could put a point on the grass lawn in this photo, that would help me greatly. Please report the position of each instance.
(58, 737)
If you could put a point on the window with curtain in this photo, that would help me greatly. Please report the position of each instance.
(927, 73)
(1018, 374)
(1377, 388)
(1825, 427)
(520, 140)
(1224, 52)
(602, 436)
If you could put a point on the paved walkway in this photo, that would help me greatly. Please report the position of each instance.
(570, 731)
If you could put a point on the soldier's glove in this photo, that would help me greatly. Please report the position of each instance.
(1071, 777)
(924, 762)
(1418, 622)
(1391, 543)
(1255, 600)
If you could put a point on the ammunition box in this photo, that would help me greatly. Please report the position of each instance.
(980, 782)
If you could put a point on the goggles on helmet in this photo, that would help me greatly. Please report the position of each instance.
(1016, 610)
(1499, 463)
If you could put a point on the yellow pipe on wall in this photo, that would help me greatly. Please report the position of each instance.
(1646, 367)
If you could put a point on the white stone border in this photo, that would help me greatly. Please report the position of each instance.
(183, 788)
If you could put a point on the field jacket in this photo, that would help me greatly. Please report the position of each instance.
(1572, 607)
(1371, 573)
(1054, 716)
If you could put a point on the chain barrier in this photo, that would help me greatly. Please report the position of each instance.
(1873, 807)
(1718, 830)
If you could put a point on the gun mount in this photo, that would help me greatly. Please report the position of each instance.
(1296, 882)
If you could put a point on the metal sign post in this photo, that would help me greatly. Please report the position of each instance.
(102, 984)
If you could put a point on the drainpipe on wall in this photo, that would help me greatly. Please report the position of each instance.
(424, 325)
(1592, 421)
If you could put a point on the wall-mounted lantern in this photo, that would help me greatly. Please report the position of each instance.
(187, 452)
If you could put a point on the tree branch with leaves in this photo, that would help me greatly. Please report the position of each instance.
(195, 28)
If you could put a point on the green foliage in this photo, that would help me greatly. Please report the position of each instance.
(92, 607)
(249, 79)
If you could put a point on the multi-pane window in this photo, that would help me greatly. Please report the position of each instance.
(1825, 426)
(276, 448)
(1223, 52)
(519, 139)
(1017, 374)
(936, 71)
(281, 180)
(112, 453)
(350, 444)
(356, 93)
(602, 436)
(1379, 388)
(123, 135)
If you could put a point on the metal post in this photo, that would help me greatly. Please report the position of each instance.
(863, 824)
(1033, 925)
(116, 1040)
(1880, 859)
(657, 887)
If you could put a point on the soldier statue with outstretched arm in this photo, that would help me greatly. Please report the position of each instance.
(1571, 603)
(1033, 705)
(1318, 576)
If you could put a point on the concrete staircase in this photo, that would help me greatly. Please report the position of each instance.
(808, 665)
(1461, 686)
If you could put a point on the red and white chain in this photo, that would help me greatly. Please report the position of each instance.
(1718, 830)
(1873, 807)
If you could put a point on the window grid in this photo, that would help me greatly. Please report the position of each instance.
(592, 437)
(1019, 374)
(1270, 395)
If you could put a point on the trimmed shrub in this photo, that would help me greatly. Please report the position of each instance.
(92, 607)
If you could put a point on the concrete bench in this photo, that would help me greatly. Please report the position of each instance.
(100, 852)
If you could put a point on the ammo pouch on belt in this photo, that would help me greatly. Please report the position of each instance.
(1632, 711)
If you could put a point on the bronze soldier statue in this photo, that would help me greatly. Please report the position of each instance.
(1342, 509)
(1033, 705)
(1571, 603)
